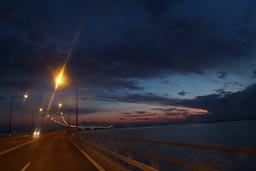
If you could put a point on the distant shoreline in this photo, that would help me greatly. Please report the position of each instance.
(131, 125)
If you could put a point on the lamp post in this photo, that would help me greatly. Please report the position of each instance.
(68, 117)
(76, 84)
(11, 105)
(33, 113)
(59, 81)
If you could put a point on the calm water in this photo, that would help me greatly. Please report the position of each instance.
(239, 134)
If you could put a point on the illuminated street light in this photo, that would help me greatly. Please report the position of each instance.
(60, 105)
(33, 113)
(59, 80)
(25, 96)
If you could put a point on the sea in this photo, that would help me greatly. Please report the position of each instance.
(235, 134)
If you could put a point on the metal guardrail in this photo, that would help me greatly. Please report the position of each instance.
(146, 151)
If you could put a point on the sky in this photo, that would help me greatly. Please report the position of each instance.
(135, 61)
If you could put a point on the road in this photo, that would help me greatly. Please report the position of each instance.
(52, 153)
(6, 143)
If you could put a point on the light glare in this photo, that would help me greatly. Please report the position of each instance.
(25, 96)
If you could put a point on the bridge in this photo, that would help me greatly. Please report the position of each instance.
(94, 151)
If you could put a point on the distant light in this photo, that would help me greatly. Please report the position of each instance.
(36, 133)
(25, 96)
(61, 113)
(51, 118)
(48, 115)
(60, 105)
(41, 109)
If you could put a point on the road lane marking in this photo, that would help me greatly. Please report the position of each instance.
(15, 148)
(13, 138)
(99, 167)
(26, 166)
(24, 144)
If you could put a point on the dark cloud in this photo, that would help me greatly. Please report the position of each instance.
(235, 106)
(222, 75)
(99, 81)
(150, 94)
(254, 72)
(3, 98)
(140, 112)
(165, 82)
(137, 116)
(37, 38)
(13, 17)
(123, 42)
(233, 84)
(170, 41)
(31, 62)
(137, 98)
(193, 52)
(18, 57)
(126, 113)
(224, 106)
(182, 93)
(16, 84)
(220, 91)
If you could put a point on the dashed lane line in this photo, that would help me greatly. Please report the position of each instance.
(26, 166)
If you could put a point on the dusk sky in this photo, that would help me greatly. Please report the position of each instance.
(136, 60)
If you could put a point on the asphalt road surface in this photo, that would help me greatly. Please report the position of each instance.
(52, 153)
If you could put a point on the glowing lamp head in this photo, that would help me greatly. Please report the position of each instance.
(60, 105)
(59, 79)
(25, 96)
(41, 110)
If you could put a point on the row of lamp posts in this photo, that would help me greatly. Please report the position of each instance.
(10, 131)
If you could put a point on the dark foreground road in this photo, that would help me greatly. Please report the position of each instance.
(53, 153)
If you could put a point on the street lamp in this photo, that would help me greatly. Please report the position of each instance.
(25, 96)
(60, 105)
(33, 113)
(58, 81)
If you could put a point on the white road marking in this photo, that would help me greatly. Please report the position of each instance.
(15, 148)
(26, 166)
(99, 167)
(24, 144)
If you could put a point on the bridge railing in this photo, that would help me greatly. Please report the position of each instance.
(148, 154)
